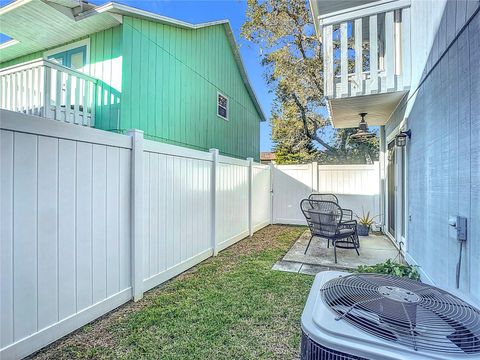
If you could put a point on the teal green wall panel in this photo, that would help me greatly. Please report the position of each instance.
(21, 59)
(170, 79)
(106, 65)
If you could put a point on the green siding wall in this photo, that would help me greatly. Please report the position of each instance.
(106, 66)
(21, 59)
(170, 79)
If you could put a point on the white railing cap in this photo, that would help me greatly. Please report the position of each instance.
(47, 63)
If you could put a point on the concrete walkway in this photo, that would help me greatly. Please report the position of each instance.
(373, 249)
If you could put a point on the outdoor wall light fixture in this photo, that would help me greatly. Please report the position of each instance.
(362, 131)
(401, 139)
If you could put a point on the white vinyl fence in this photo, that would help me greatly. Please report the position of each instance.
(90, 219)
(356, 186)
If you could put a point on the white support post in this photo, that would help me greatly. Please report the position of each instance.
(137, 213)
(250, 196)
(328, 59)
(343, 59)
(373, 55)
(390, 50)
(406, 52)
(314, 166)
(381, 172)
(272, 174)
(213, 194)
(47, 86)
(359, 55)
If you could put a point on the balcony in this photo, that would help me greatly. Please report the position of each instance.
(367, 64)
(47, 89)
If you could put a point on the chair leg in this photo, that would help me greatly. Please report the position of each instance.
(357, 239)
(335, 250)
(355, 245)
(309, 241)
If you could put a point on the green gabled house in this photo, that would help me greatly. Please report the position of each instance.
(114, 67)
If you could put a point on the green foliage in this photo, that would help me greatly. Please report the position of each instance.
(391, 267)
(365, 219)
(291, 146)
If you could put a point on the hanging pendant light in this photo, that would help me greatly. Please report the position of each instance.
(362, 131)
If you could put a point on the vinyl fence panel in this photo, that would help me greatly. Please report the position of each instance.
(232, 201)
(90, 219)
(291, 184)
(65, 241)
(261, 196)
(356, 186)
(177, 231)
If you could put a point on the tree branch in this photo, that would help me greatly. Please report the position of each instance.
(310, 135)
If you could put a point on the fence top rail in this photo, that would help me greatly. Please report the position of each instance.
(35, 125)
(293, 166)
(46, 63)
(232, 161)
(369, 167)
(260, 166)
(168, 149)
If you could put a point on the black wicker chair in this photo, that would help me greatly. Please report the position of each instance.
(324, 219)
(347, 213)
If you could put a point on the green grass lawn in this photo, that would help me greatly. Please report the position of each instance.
(232, 306)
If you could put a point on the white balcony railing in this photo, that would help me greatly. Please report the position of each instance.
(367, 53)
(50, 90)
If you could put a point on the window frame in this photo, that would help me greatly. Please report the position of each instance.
(227, 108)
(77, 44)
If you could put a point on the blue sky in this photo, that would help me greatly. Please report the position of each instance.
(203, 11)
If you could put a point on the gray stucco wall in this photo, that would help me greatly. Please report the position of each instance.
(444, 160)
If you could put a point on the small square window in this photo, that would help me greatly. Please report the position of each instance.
(222, 106)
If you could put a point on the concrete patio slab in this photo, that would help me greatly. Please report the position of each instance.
(373, 250)
(312, 269)
(287, 266)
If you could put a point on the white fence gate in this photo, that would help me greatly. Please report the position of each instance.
(356, 186)
(90, 219)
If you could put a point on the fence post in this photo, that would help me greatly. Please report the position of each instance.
(213, 194)
(314, 176)
(250, 196)
(272, 194)
(137, 213)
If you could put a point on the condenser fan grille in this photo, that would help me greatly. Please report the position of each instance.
(405, 311)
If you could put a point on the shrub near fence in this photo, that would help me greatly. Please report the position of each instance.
(90, 219)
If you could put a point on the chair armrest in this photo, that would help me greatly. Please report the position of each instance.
(347, 214)
(351, 224)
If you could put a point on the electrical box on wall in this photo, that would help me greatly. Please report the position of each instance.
(461, 228)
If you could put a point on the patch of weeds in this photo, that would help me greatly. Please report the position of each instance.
(391, 267)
